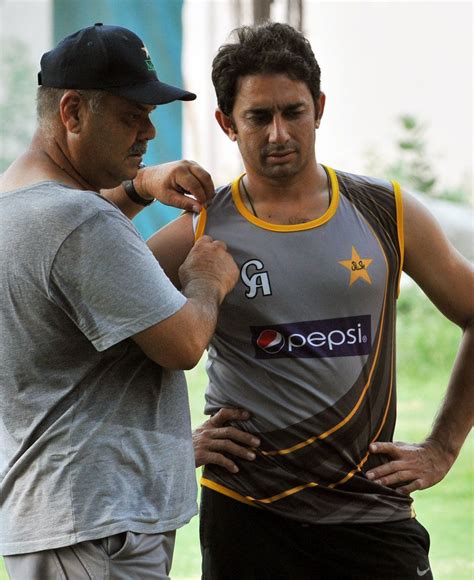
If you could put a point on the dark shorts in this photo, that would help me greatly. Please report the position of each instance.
(242, 542)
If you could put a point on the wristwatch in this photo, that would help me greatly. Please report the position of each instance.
(133, 194)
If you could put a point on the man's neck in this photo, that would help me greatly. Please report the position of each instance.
(297, 199)
(44, 160)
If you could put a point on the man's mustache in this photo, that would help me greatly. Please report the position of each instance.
(280, 149)
(137, 149)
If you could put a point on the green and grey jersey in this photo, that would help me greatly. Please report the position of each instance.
(306, 343)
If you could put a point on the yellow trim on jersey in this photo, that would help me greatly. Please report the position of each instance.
(401, 236)
(328, 214)
(201, 224)
(285, 493)
(225, 491)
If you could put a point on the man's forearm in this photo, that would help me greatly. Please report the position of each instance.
(204, 299)
(418, 466)
(456, 414)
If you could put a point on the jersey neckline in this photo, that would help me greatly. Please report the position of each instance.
(327, 215)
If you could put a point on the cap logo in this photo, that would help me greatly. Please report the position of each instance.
(149, 64)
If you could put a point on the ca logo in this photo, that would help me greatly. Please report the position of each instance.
(255, 279)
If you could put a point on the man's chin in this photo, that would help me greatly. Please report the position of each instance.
(135, 160)
(131, 167)
(281, 170)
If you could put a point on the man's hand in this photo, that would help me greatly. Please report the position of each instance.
(411, 467)
(209, 266)
(213, 441)
(173, 184)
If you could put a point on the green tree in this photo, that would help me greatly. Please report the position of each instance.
(412, 166)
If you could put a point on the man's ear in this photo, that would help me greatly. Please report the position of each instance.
(70, 109)
(320, 109)
(226, 124)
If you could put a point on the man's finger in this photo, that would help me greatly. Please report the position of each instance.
(217, 459)
(181, 201)
(205, 181)
(386, 448)
(194, 180)
(225, 415)
(234, 434)
(411, 487)
(383, 470)
(228, 446)
(395, 477)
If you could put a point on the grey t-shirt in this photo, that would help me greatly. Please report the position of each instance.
(95, 438)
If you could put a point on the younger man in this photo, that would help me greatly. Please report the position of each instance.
(305, 342)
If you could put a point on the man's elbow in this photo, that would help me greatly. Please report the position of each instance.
(184, 361)
(178, 342)
(176, 355)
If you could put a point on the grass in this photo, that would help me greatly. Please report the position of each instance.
(426, 348)
(427, 344)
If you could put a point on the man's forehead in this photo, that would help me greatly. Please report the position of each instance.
(266, 90)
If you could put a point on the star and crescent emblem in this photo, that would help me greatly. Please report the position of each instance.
(358, 267)
(149, 64)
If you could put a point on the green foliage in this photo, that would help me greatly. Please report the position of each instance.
(17, 100)
(412, 165)
(426, 341)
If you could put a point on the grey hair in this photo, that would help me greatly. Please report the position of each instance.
(48, 99)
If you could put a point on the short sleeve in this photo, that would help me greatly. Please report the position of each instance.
(107, 281)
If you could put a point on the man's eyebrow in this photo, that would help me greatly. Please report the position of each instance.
(289, 106)
(296, 105)
(258, 110)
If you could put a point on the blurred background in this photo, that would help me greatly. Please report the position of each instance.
(398, 80)
(397, 75)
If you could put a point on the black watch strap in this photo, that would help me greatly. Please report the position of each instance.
(133, 195)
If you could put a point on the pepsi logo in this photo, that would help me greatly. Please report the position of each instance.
(270, 341)
(330, 337)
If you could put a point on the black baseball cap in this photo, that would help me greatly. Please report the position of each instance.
(110, 58)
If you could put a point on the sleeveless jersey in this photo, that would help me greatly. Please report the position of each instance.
(306, 343)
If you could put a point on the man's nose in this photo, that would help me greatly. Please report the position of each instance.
(278, 130)
(147, 131)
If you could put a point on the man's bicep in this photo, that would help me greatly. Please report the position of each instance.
(439, 269)
(171, 245)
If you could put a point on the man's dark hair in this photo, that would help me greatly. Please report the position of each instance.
(269, 48)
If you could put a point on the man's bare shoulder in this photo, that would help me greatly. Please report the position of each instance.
(172, 243)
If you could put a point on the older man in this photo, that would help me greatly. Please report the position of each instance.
(96, 466)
